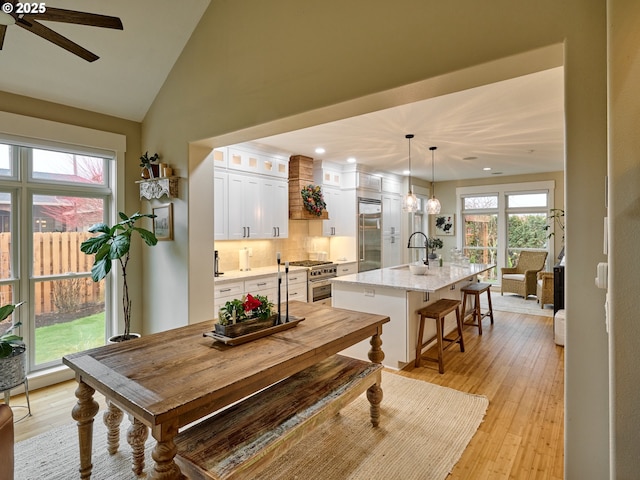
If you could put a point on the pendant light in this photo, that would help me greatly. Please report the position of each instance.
(433, 205)
(410, 202)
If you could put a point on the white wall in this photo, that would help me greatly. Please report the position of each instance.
(624, 231)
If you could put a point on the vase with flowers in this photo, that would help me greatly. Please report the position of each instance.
(434, 243)
(150, 169)
(246, 315)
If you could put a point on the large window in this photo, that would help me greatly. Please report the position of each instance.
(526, 222)
(480, 227)
(500, 221)
(65, 190)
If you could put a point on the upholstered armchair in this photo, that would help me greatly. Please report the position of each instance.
(544, 288)
(521, 279)
(6, 442)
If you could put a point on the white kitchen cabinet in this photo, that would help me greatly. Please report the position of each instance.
(341, 205)
(223, 293)
(243, 160)
(256, 162)
(273, 166)
(266, 285)
(391, 214)
(391, 251)
(332, 197)
(244, 206)
(347, 268)
(369, 181)
(391, 228)
(274, 208)
(220, 205)
(297, 286)
(220, 156)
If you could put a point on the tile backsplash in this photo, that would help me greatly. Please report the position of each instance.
(296, 247)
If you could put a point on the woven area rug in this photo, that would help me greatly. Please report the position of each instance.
(423, 431)
(516, 303)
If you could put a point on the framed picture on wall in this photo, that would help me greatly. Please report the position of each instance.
(163, 223)
(444, 224)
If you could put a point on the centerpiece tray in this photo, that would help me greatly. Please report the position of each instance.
(240, 339)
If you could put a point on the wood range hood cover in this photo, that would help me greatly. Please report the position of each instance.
(301, 175)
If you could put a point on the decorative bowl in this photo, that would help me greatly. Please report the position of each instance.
(418, 269)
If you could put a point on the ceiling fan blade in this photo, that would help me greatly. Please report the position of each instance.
(57, 39)
(79, 18)
(3, 30)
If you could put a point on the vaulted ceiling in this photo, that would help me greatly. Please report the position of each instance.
(513, 127)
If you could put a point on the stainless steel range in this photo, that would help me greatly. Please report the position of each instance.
(318, 286)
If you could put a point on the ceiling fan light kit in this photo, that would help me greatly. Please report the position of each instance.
(433, 205)
(11, 15)
(410, 202)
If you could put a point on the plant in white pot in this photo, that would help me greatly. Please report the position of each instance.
(12, 349)
(114, 243)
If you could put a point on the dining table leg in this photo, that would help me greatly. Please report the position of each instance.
(112, 419)
(164, 453)
(374, 392)
(137, 436)
(83, 413)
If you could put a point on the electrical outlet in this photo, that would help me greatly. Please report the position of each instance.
(369, 292)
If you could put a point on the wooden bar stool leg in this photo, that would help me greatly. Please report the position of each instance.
(464, 306)
(419, 344)
(459, 322)
(477, 313)
(439, 329)
(490, 306)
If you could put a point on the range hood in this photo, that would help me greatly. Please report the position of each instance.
(301, 175)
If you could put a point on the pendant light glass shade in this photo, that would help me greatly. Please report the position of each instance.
(433, 205)
(410, 202)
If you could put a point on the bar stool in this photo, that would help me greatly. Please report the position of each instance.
(474, 290)
(437, 311)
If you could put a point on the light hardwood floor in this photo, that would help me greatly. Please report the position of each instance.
(515, 363)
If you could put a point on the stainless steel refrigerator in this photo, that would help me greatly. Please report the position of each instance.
(369, 234)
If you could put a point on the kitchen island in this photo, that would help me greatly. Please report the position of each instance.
(398, 294)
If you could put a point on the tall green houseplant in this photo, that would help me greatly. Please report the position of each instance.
(114, 243)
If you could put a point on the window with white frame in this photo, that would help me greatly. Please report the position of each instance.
(500, 221)
(49, 195)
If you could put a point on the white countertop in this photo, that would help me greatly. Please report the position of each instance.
(236, 275)
(401, 278)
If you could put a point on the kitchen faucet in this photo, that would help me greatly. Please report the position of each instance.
(426, 246)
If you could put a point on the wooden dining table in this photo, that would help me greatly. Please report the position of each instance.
(170, 379)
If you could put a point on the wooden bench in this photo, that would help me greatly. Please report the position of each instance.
(240, 441)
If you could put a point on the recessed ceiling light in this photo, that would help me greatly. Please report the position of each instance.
(320, 150)
(486, 169)
(406, 172)
(351, 160)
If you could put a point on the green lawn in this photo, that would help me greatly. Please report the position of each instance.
(55, 341)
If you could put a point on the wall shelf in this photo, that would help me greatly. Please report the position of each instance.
(157, 187)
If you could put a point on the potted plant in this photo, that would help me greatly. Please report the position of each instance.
(114, 243)
(434, 243)
(241, 316)
(12, 349)
(147, 163)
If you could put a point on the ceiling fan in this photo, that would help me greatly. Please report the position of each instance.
(29, 15)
